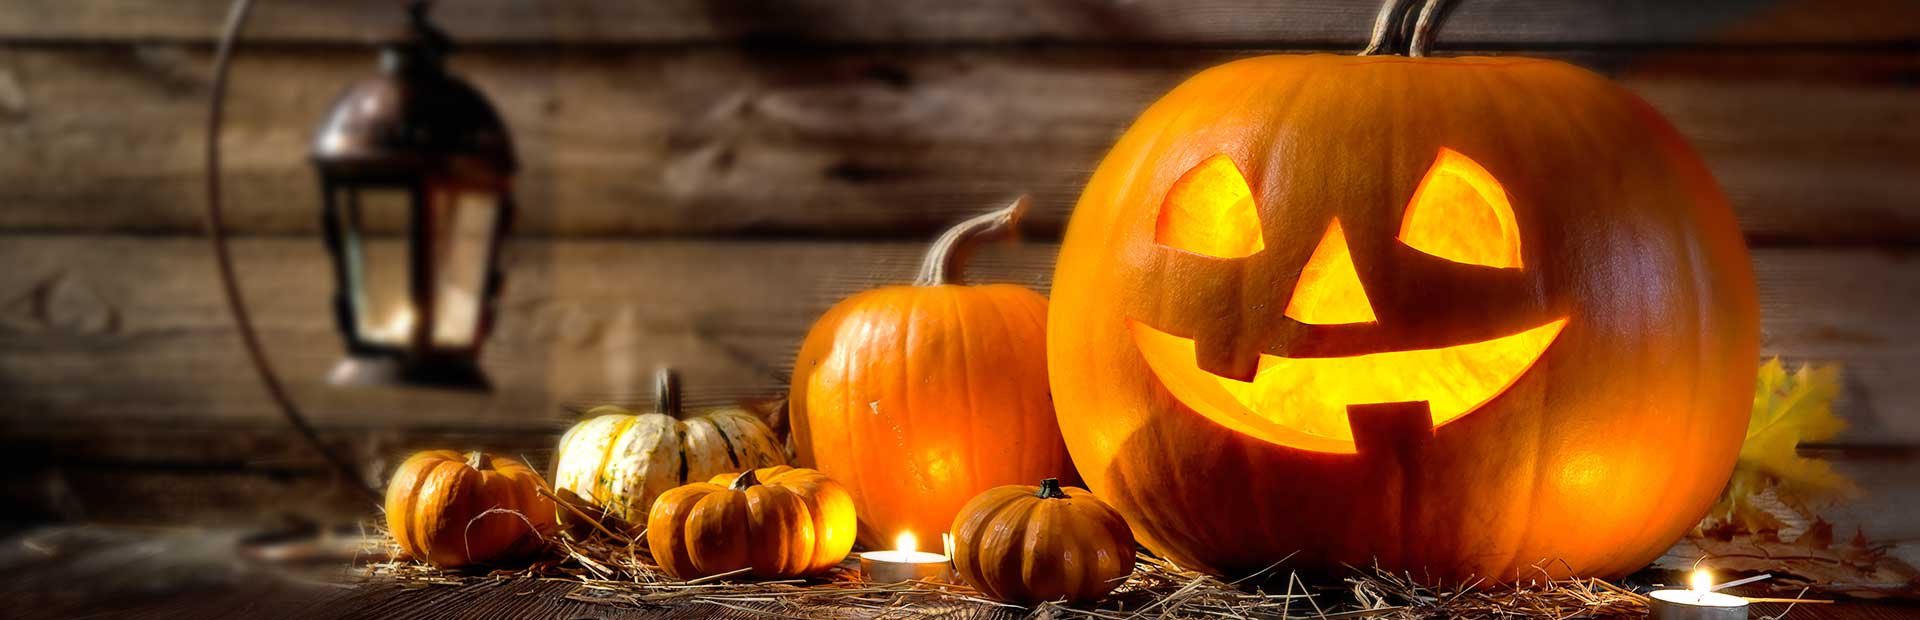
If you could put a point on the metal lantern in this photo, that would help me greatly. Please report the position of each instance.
(415, 169)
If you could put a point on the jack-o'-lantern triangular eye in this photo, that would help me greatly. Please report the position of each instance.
(1210, 212)
(1461, 213)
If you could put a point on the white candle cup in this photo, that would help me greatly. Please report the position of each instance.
(1695, 605)
(896, 566)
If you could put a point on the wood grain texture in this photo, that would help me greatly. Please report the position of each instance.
(148, 573)
(124, 395)
(1338, 23)
(107, 327)
(1812, 147)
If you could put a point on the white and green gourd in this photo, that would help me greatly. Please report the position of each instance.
(620, 461)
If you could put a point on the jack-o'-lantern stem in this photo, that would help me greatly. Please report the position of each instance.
(1050, 489)
(947, 259)
(1392, 24)
(744, 481)
(666, 392)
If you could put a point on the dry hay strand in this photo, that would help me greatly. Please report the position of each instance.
(1544, 597)
(610, 568)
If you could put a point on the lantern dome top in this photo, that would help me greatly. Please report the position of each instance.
(413, 117)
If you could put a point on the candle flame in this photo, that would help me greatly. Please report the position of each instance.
(906, 542)
(1702, 581)
(402, 322)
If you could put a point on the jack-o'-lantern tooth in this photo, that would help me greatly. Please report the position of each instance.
(1397, 428)
(1210, 212)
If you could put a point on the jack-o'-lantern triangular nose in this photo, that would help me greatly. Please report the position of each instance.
(1329, 292)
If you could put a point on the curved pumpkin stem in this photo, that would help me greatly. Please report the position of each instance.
(666, 392)
(1392, 25)
(1392, 12)
(1423, 27)
(1050, 489)
(947, 258)
(477, 460)
(746, 479)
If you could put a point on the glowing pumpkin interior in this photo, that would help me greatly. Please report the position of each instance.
(1459, 212)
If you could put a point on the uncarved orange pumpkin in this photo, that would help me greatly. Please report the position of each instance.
(791, 523)
(834, 525)
(1026, 544)
(919, 397)
(454, 509)
(1456, 316)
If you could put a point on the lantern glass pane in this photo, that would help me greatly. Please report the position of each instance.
(377, 254)
(464, 255)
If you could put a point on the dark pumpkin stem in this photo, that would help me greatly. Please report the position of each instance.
(478, 460)
(1050, 489)
(1423, 27)
(666, 392)
(1385, 27)
(947, 259)
(1398, 23)
(746, 479)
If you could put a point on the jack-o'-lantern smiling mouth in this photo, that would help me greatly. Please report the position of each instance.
(1302, 402)
(1458, 213)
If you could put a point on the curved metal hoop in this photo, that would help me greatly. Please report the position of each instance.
(223, 257)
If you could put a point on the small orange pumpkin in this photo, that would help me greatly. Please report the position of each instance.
(1026, 544)
(438, 507)
(781, 521)
(834, 522)
(920, 397)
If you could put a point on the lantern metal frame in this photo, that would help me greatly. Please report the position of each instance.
(418, 129)
(403, 369)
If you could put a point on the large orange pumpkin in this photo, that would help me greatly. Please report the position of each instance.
(1457, 316)
(919, 397)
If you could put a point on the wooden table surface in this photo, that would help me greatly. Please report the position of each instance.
(101, 572)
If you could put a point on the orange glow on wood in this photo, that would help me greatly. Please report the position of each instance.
(1460, 213)
(1329, 292)
(1210, 211)
(1302, 402)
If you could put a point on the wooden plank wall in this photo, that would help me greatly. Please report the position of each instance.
(702, 178)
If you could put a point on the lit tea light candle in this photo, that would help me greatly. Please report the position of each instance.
(1698, 603)
(904, 563)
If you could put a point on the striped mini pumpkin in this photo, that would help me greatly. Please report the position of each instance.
(621, 461)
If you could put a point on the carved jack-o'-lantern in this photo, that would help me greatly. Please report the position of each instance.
(1448, 315)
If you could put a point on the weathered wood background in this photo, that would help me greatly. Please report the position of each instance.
(703, 177)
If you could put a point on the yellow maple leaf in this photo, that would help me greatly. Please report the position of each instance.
(1788, 409)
